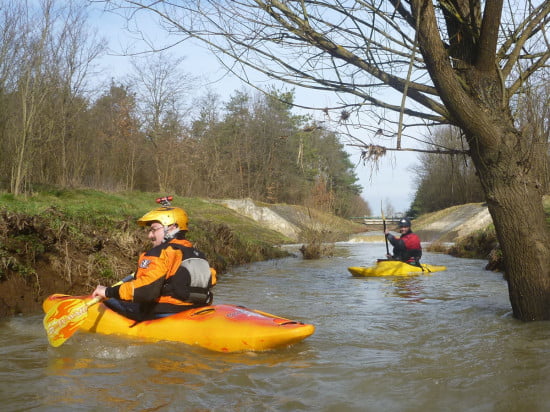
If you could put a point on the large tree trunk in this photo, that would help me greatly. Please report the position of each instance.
(508, 163)
(518, 215)
(514, 197)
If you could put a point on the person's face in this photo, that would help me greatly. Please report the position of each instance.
(156, 233)
(404, 229)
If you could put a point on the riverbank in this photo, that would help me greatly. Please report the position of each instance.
(62, 241)
(68, 241)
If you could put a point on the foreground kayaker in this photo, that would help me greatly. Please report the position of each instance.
(407, 247)
(171, 277)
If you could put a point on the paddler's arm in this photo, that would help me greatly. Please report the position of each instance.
(99, 292)
(393, 240)
(150, 276)
(112, 291)
(104, 292)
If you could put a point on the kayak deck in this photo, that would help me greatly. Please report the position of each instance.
(394, 268)
(221, 328)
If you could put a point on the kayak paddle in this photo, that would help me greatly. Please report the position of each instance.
(63, 319)
(384, 225)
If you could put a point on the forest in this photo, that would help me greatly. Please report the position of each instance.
(62, 124)
(148, 132)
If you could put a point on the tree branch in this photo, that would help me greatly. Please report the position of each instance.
(489, 35)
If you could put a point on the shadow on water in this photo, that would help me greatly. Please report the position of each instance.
(444, 341)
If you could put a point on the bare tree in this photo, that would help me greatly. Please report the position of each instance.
(72, 51)
(45, 52)
(12, 39)
(445, 181)
(389, 210)
(162, 87)
(115, 149)
(30, 91)
(457, 62)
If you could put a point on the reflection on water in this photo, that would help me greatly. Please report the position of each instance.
(409, 288)
(444, 341)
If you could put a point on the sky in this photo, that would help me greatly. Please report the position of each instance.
(390, 185)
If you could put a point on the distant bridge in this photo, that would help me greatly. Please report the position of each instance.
(376, 221)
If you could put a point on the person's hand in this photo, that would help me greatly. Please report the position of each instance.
(388, 256)
(386, 232)
(99, 292)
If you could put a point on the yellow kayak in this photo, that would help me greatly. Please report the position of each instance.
(394, 268)
(221, 328)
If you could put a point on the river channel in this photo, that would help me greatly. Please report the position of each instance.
(439, 342)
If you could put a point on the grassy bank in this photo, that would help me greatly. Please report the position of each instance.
(68, 241)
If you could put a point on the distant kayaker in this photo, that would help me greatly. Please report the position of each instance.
(407, 248)
(171, 277)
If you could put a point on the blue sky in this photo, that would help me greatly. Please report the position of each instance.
(393, 184)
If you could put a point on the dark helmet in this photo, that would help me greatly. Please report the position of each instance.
(404, 222)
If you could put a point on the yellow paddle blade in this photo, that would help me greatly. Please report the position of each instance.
(62, 320)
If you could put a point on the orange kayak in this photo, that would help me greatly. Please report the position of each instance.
(221, 328)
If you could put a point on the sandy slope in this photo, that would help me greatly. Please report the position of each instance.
(444, 226)
(452, 223)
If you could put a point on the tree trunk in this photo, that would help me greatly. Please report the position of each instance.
(508, 163)
(514, 197)
(519, 212)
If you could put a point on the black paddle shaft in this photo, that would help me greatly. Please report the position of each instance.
(385, 236)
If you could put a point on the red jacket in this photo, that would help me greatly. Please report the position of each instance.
(407, 248)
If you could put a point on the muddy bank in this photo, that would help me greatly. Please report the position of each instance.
(58, 251)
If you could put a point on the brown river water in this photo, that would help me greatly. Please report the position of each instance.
(440, 342)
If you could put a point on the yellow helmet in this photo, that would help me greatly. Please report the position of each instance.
(166, 215)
